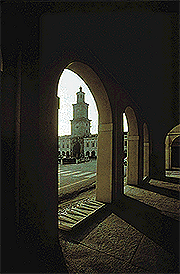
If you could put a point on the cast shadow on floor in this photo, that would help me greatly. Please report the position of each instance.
(150, 221)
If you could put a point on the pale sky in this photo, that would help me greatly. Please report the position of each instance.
(69, 84)
(125, 124)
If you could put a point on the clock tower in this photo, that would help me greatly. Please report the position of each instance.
(80, 125)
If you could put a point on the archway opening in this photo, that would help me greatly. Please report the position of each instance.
(76, 150)
(105, 127)
(77, 129)
(125, 135)
(172, 152)
(175, 153)
(132, 147)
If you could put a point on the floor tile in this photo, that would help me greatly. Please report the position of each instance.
(154, 258)
(82, 259)
(117, 240)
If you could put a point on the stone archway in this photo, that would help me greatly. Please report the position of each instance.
(170, 137)
(105, 129)
(132, 147)
(175, 161)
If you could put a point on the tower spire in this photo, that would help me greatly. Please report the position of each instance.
(80, 125)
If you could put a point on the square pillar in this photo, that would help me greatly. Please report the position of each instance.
(132, 156)
(104, 163)
(146, 159)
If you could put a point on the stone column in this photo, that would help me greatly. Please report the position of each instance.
(132, 155)
(146, 159)
(104, 163)
(167, 153)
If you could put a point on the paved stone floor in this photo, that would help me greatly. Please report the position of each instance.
(139, 234)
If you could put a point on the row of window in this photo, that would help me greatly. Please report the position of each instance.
(88, 153)
(87, 145)
(63, 146)
(92, 144)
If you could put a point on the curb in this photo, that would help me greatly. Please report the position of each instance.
(69, 196)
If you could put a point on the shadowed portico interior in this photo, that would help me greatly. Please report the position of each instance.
(127, 54)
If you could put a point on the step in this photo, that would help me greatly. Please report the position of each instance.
(71, 217)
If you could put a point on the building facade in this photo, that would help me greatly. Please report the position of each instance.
(81, 142)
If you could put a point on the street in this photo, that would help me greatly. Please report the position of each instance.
(72, 177)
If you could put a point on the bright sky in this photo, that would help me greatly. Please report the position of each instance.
(125, 124)
(69, 84)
